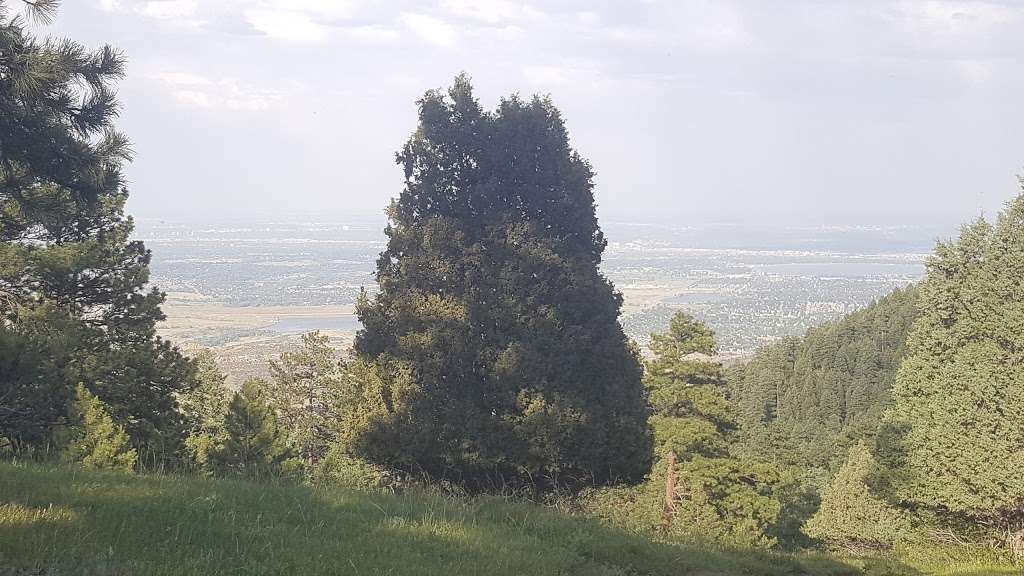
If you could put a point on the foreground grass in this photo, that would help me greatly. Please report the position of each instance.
(70, 521)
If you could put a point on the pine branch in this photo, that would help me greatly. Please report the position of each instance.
(41, 11)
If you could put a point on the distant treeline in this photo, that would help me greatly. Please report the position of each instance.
(803, 401)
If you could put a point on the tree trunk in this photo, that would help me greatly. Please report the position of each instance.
(1015, 542)
(670, 493)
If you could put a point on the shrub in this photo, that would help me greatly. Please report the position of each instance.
(96, 440)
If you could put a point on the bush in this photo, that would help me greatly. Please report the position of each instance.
(340, 468)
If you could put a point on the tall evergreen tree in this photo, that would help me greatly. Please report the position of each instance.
(495, 339)
(954, 434)
(716, 496)
(254, 444)
(71, 281)
(851, 518)
(686, 387)
(304, 392)
(204, 408)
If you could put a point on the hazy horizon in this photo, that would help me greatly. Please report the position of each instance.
(868, 112)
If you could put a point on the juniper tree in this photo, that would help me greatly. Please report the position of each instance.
(71, 280)
(495, 340)
(952, 438)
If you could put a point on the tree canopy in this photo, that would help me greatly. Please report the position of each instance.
(73, 286)
(953, 435)
(494, 339)
(804, 401)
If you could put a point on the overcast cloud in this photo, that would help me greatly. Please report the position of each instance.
(803, 111)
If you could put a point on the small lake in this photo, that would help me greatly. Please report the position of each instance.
(297, 324)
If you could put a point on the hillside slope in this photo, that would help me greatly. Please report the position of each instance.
(803, 401)
(68, 521)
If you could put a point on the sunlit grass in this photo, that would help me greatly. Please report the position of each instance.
(57, 521)
(70, 521)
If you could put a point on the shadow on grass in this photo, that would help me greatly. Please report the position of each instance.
(149, 525)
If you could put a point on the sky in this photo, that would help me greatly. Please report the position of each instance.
(797, 112)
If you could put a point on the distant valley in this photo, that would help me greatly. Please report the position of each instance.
(247, 289)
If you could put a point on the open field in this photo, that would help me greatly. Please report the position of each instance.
(245, 338)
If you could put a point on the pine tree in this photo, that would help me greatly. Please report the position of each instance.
(494, 339)
(686, 389)
(33, 397)
(97, 441)
(716, 496)
(205, 408)
(850, 517)
(254, 443)
(953, 435)
(71, 281)
(305, 392)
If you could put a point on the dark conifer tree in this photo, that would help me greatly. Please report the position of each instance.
(494, 339)
(72, 283)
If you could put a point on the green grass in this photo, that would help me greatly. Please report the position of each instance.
(62, 521)
(71, 521)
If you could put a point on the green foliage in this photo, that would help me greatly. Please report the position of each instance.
(493, 346)
(718, 498)
(804, 401)
(96, 440)
(205, 407)
(727, 500)
(306, 391)
(339, 468)
(72, 282)
(33, 399)
(254, 444)
(953, 434)
(851, 518)
(686, 391)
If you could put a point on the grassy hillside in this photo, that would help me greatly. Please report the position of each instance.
(69, 521)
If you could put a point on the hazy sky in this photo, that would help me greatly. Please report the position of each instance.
(802, 111)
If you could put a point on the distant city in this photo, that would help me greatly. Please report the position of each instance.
(309, 274)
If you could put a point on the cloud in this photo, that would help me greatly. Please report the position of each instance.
(488, 11)
(373, 34)
(196, 91)
(955, 17)
(331, 9)
(289, 26)
(168, 9)
(430, 29)
(294, 21)
(577, 75)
